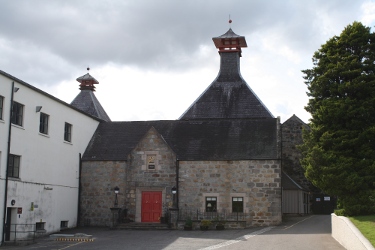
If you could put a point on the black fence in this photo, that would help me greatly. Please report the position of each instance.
(223, 215)
(21, 232)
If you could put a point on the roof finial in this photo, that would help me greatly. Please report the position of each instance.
(88, 68)
(230, 20)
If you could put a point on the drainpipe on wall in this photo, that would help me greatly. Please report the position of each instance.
(7, 166)
(281, 160)
(79, 190)
(177, 186)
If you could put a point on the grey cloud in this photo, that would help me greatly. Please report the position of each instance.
(64, 35)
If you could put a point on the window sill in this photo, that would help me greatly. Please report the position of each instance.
(156, 169)
(2, 121)
(45, 135)
(68, 142)
(14, 178)
(18, 126)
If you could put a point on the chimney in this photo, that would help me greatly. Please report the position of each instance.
(229, 46)
(87, 82)
(230, 42)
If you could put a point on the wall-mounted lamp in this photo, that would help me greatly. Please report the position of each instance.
(38, 108)
(174, 192)
(16, 89)
(117, 190)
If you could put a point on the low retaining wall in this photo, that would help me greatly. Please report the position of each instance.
(348, 235)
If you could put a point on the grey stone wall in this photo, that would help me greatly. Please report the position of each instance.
(140, 178)
(257, 181)
(98, 180)
(291, 155)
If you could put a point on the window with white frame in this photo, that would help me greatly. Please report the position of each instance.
(17, 113)
(211, 204)
(68, 132)
(1, 107)
(14, 166)
(237, 204)
(43, 124)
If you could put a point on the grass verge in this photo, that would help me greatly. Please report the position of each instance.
(365, 224)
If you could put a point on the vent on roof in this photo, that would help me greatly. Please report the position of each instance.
(87, 82)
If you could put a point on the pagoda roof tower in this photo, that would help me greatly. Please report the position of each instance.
(228, 96)
(86, 99)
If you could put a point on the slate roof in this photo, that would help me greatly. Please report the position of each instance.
(88, 103)
(295, 118)
(288, 183)
(228, 96)
(48, 95)
(237, 139)
(229, 35)
(87, 77)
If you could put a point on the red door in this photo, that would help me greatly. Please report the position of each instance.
(151, 206)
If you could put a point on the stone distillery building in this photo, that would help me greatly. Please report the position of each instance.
(227, 158)
(222, 157)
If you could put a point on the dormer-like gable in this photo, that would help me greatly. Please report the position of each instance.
(152, 152)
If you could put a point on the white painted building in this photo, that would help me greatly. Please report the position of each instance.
(47, 137)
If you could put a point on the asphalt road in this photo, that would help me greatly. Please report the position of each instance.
(309, 232)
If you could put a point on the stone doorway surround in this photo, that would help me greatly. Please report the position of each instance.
(138, 199)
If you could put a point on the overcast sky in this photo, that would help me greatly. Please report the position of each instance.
(154, 58)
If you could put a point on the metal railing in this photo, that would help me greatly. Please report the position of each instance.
(20, 232)
(222, 215)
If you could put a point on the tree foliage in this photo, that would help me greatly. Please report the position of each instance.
(339, 150)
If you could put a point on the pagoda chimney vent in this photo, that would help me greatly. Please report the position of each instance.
(87, 82)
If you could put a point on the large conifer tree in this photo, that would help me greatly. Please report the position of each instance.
(339, 150)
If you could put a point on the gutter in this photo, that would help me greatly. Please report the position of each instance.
(280, 128)
(79, 190)
(7, 166)
(177, 182)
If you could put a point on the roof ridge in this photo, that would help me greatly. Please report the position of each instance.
(228, 96)
(95, 103)
(28, 85)
(87, 102)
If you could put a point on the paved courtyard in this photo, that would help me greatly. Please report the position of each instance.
(309, 232)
